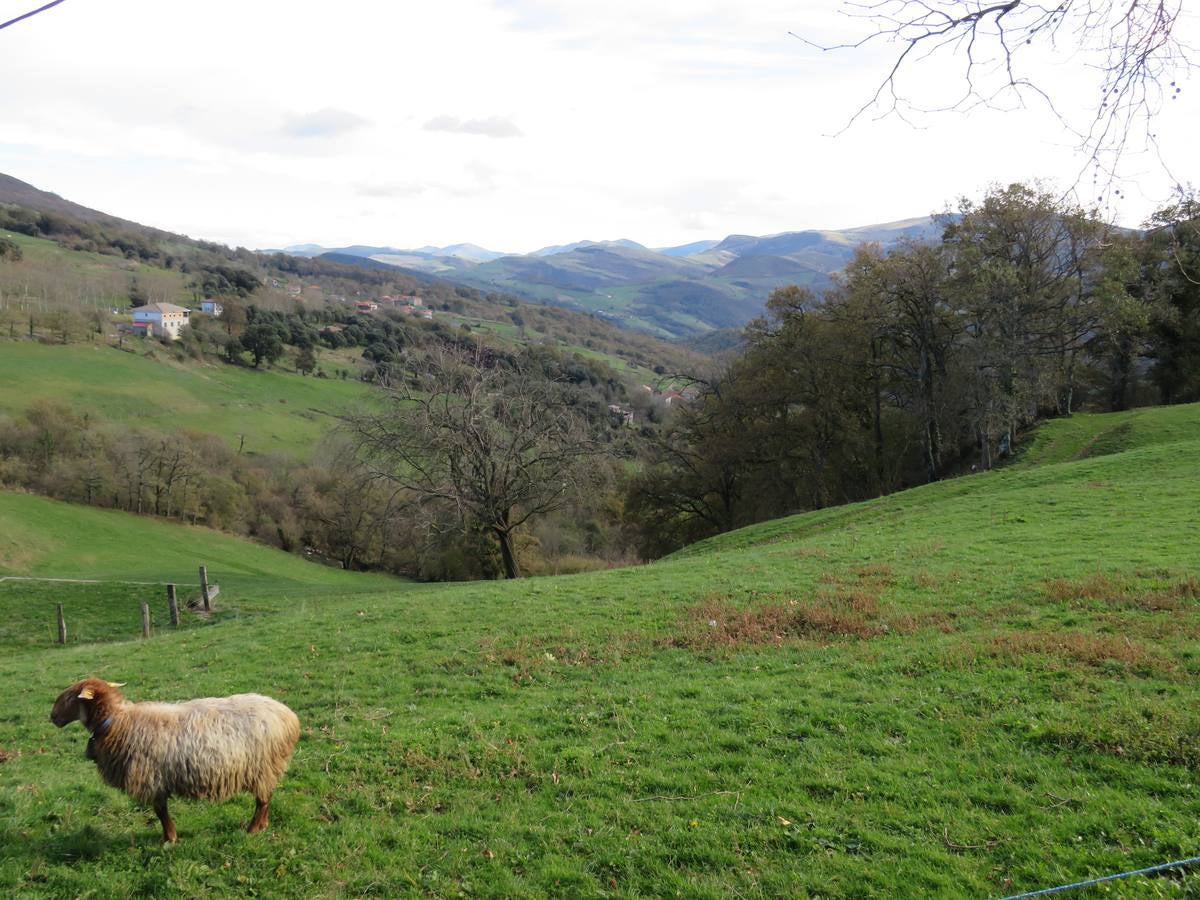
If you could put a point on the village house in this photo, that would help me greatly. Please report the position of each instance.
(162, 320)
(621, 413)
(211, 307)
(366, 306)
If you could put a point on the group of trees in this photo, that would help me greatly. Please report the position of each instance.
(929, 361)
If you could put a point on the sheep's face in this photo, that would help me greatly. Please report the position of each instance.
(68, 707)
(76, 703)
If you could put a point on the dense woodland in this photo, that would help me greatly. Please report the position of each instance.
(930, 361)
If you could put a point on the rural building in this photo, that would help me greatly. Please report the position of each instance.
(162, 320)
(620, 413)
(366, 306)
(211, 307)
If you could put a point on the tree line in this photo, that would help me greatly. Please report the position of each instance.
(931, 361)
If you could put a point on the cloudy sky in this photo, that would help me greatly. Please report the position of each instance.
(511, 123)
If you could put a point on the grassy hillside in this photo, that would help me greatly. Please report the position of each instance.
(273, 410)
(49, 539)
(971, 689)
(1081, 437)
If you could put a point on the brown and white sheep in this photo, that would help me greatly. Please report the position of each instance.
(208, 749)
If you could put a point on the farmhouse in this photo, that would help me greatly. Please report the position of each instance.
(211, 307)
(162, 320)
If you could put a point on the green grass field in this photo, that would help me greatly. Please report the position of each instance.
(273, 410)
(978, 687)
(50, 539)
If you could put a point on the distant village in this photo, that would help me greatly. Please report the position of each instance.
(165, 321)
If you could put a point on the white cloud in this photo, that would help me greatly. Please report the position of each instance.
(657, 120)
(323, 123)
(493, 126)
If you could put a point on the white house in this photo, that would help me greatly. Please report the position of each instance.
(161, 319)
(211, 308)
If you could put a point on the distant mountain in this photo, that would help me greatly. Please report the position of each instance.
(465, 251)
(579, 245)
(680, 291)
(685, 290)
(425, 259)
(366, 262)
(687, 249)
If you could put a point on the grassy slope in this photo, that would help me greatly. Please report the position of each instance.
(48, 539)
(604, 734)
(274, 410)
(104, 277)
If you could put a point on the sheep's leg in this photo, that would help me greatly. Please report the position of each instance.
(259, 822)
(168, 827)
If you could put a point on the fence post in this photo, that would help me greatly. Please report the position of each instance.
(204, 588)
(145, 619)
(173, 605)
(62, 626)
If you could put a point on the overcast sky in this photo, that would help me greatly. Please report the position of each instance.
(507, 123)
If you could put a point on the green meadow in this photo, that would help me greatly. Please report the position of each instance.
(260, 410)
(978, 687)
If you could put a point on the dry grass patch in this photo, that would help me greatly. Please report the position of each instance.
(1096, 650)
(1125, 592)
(526, 656)
(847, 613)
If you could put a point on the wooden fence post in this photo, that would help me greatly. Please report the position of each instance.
(173, 605)
(204, 588)
(62, 626)
(145, 619)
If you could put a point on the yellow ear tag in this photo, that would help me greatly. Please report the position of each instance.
(86, 694)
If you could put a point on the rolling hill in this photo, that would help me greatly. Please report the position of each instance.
(979, 687)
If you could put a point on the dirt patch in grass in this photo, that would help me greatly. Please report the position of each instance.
(924, 580)
(1116, 590)
(875, 573)
(812, 552)
(715, 622)
(1097, 650)
(527, 655)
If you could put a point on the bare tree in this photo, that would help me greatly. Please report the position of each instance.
(1132, 47)
(493, 438)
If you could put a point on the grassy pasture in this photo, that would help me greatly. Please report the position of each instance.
(50, 539)
(974, 688)
(273, 410)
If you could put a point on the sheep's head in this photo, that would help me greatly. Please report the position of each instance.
(77, 703)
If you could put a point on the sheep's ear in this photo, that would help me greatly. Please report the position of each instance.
(117, 683)
(87, 694)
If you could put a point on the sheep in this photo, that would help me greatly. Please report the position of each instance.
(207, 749)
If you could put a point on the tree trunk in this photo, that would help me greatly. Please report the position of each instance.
(877, 416)
(507, 555)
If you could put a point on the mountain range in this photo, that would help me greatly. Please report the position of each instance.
(681, 291)
(685, 291)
